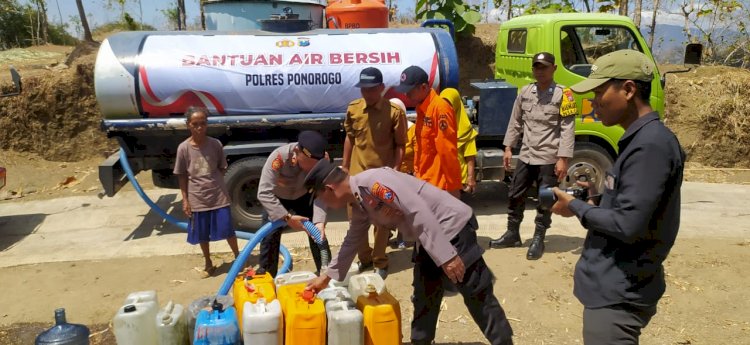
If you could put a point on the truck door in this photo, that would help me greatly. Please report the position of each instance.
(578, 45)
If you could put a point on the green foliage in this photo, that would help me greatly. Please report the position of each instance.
(112, 27)
(550, 6)
(172, 15)
(58, 35)
(129, 22)
(462, 15)
(608, 6)
(14, 32)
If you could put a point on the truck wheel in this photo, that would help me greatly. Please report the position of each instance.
(591, 160)
(242, 180)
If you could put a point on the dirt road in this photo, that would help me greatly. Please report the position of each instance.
(86, 254)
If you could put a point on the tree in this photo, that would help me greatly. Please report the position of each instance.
(462, 15)
(623, 5)
(637, 13)
(653, 25)
(550, 6)
(721, 26)
(203, 15)
(510, 7)
(173, 17)
(42, 29)
(182, 25)
(84, 23)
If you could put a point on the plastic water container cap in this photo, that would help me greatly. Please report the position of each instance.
(167, 317)
(370, 289)
(308, 296)
(250, 273)
(250, 287)
(129, 308)
(217, 306)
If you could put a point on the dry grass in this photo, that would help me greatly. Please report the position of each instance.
(709, 111)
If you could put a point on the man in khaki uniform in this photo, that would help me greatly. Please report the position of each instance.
(375, 138)
(548, 139)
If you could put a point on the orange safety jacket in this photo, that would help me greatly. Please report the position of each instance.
(436, 152)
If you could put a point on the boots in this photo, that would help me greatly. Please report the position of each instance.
(536, 249)
(511, 238)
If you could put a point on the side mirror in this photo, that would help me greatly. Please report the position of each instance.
(16, 82)
(693, 54)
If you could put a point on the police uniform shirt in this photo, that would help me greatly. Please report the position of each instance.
(631, 232)
(546, 135)
(419, 210)
(282, 178)
(374, 132)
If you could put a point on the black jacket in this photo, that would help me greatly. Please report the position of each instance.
(634, 227)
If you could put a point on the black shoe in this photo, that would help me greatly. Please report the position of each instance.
(364, 267)
(508, 239)
(536, 249)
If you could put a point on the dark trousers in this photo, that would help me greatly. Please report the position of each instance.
(269, 246)
(615, 325)
(476, 289)
(523, 177)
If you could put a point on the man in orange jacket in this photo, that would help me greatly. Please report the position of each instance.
(436, 152)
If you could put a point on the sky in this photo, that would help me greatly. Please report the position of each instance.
(100, 12)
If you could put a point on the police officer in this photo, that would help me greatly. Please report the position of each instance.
(619, 278)
(375, 137)
(283, 195)
(445, 231)
(547, 145)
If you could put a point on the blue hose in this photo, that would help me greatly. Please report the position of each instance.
(183, 225)
(245, 254)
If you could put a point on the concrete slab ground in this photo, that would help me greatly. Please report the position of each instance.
(89, 228)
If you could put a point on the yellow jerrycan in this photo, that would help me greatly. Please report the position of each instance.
(252, 286)
(382, 317)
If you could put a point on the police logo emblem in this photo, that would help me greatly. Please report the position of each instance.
(443, 125)
(382, 192)
(277, 163)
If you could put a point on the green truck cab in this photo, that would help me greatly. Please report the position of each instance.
(576, 40)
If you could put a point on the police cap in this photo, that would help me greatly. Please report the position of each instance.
(312, 144)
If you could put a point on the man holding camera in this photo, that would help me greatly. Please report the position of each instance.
(548, 139)
(631, 228)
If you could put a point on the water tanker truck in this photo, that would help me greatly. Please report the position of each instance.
(262, 88)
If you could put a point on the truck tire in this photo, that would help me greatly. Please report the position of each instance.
(588, 159)
(242, 180)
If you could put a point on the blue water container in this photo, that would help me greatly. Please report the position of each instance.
(63, 333)
(217, 327)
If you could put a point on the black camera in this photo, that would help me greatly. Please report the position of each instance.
(547, 197)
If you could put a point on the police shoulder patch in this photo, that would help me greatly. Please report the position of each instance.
(277, 163)
(382, 192)
(568, 104)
